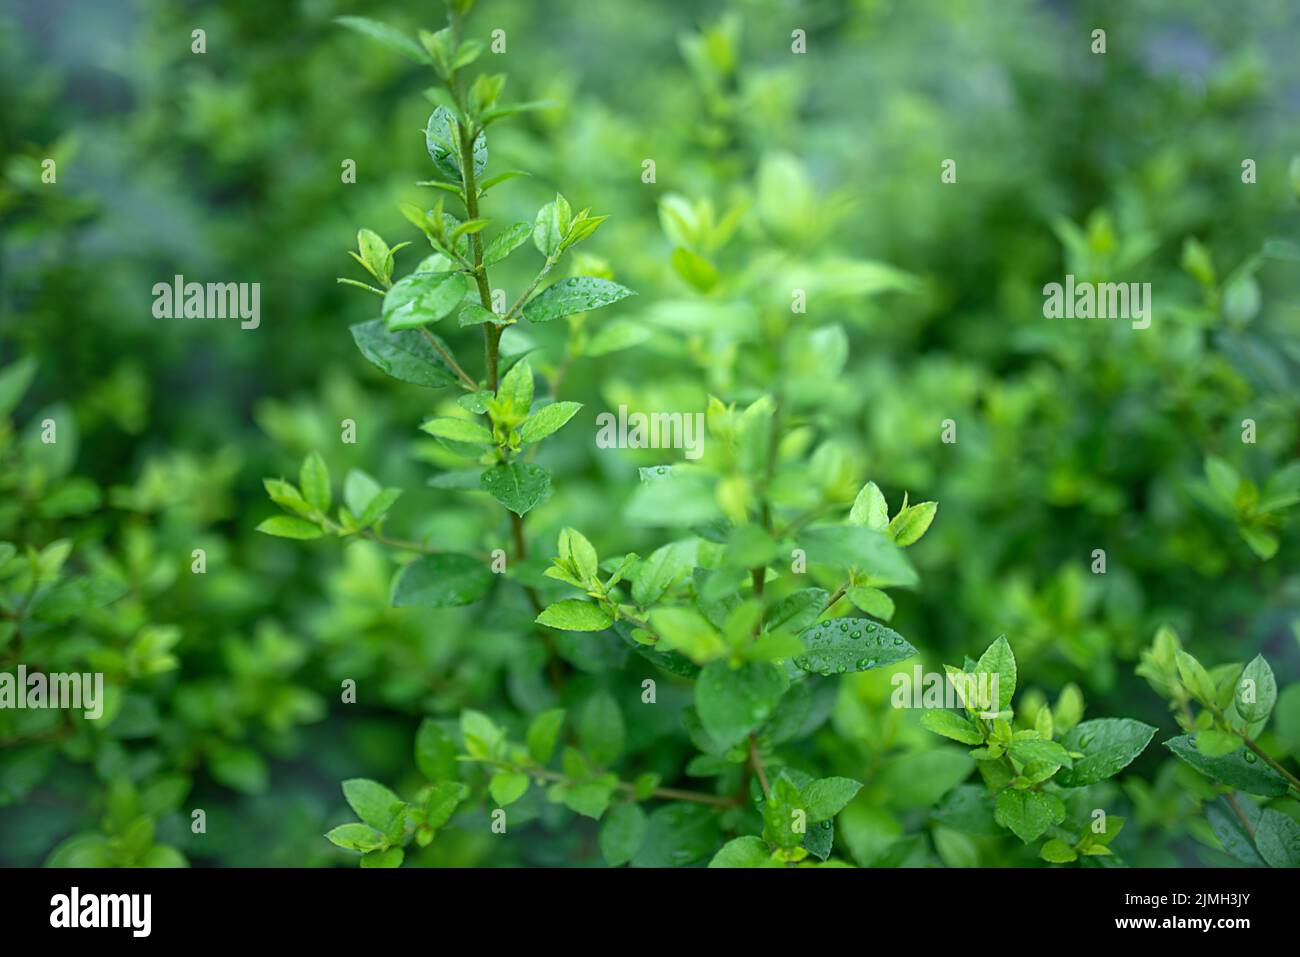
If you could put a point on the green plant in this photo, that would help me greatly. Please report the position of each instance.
(1032, 771)
(1224, 711)
(698, 608)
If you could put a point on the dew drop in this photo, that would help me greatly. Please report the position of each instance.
(1250, 757)
(843, 627)
(856, 634)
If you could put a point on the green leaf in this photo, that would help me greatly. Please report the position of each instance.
(392, 857)
(747, 851)
(458, 430)
(443, 799)
(1058, 852)
(483, 739)
(687, 631)
(374, 803)
(575, 548)
(615, 335)
(666, 566)
(15, 379)
(551, 226)
(796, 611)
(286, 526)
(1038, 751)
(386, 35)
(1234, 837)
(621, 834)
(855, 547)
(435, 751)
(356, 837)
(574, 614)
(443, 143)
(314, 478)
(507, 787)
(472, 314)
(1108, 746)
(826, 797)
(543, 734)
(589, 799)
(548, 419)
(871, 600)
(422, 297)
(870, 508)
(378, 507)
(406, 355)
(912, 522)
(1256, 691)
(570, 296)
(600, 728)
(442, 581)
(1242, 769)
(851, 644)
(779, 812)
(516, 389)
(952, 725)
(1278, 839)
(1195, 678)
(998, 660)
(506, 242)
(734, 701)
(518, 486)
(1028, 813)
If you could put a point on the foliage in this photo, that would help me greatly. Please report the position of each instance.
(474, 616)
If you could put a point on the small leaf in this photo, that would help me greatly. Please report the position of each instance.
(386, 35)
(406, 355)
(573, 614)
(458, 430)
(507, 787)
(543, 733)
(732, 702)
(621, 834)
(952, 725)
(842, 645)
(1108, 746)
(374, 803)
(286, 526)
(1256, 692)
(518, 486)
(442, 581)
(826, 797)
(1278, 839)
(1028, 813)
(999, 662)
(747, 851)
(506, 242)
(422, 297)
(546, 420)
(314, 478)
(570, 296)
(1241, 769)
(870, 508)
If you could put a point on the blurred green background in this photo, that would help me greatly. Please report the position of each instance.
(1072, 435)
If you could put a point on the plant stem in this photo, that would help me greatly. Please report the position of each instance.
(1241, 815)
(1250, 743)
(667, 794)
(466, 382)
